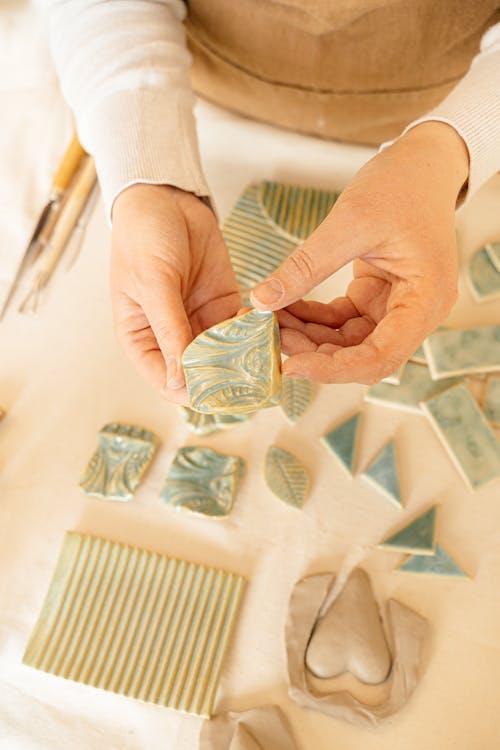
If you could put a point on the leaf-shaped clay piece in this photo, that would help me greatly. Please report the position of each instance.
(286, 477)
(203, 481)
(123, 454)
(296, 397)
(349, 637)
(235, 366)
(206, 424)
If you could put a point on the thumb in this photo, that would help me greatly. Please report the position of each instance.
(323, 253)
(164, 308)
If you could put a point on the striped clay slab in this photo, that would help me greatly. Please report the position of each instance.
(268, 222)
(136, 623)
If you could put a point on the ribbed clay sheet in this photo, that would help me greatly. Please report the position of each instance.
(136, 622)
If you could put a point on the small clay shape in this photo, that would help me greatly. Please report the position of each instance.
(349, 637)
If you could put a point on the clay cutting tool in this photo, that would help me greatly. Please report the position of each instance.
(49, 214)
(71, 210)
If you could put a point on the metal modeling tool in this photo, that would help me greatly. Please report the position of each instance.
(49, 215)
(71, 210)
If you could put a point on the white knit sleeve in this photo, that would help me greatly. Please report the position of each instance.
(473, 109)
(124, 69)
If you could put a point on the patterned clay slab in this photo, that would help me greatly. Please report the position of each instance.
(465, 433)
(493, 250)
(463, 352)
(136, 623)
(235, 366)
(203, 481)
(341, 442)
(417, 537)
(206, 424)
(416, 386)
(483, 277)
(438, 564)
(383, 475)
(286, 477)
(268, 222)
(123, 454)
(296, 397)
(492, 400)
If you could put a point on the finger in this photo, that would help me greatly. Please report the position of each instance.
(164, 309)
(333, 314)
(351, 333)
(329, 247)
(390, 345)
(293, 342)
(215, 311)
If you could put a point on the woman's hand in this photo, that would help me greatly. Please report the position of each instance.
(171, 278)
(396, 220)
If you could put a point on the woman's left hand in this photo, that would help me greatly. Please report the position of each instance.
(396, 221)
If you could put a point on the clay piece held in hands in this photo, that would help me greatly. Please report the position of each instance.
(235, 366)
(123, 454)
(350, 637)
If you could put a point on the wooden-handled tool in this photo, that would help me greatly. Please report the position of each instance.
(49, 214)
(72, 207)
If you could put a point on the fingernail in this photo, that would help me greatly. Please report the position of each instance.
(268, 293)
(175, 374)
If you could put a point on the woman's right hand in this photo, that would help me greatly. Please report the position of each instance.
(171, 278)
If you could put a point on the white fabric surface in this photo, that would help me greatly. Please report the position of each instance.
(62, 376)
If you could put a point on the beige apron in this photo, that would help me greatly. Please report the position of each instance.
(352, 70)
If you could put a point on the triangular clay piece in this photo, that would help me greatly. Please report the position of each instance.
(341, 441)
(243, 740)
(382, 474)
(438, 564)
(416, 538)
(350, 636)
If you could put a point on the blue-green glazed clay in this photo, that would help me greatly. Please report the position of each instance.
(466, 434)
(123, 454)
(203, 481)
